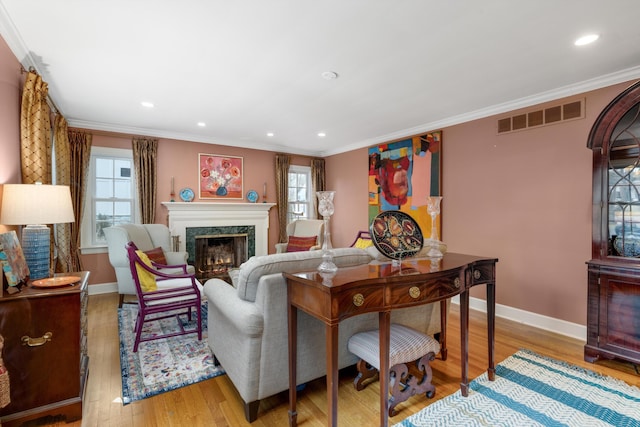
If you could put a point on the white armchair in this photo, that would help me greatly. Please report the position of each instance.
(304, 228)
(145, 237)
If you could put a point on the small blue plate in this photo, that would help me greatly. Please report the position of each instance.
(187, 195)
(252, 196)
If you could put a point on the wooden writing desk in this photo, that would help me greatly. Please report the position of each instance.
(382, 288)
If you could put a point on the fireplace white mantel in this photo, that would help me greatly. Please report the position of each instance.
(208, 214)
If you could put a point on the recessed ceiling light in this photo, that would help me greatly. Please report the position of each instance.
(590, 38)
(147, 104)
(322, 134)
(329, 75)
(269, 134)
(202, 124)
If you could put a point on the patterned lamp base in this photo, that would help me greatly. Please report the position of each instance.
(35, 245)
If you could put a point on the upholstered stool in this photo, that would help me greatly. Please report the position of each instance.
(406, 345)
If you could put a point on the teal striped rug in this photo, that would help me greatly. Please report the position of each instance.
(534, 390)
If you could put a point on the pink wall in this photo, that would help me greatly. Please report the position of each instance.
(346, 174)
(524, 197)
(10, 92)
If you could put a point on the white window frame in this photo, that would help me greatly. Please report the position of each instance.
(291, 214)
(87, 244)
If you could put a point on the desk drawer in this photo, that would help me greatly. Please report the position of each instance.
(360, 300)
(481, 274)
(443, 287)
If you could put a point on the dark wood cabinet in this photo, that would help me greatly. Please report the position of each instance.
(613, 310)
(45, 351)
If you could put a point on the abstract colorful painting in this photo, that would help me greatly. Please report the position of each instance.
(220, 176)
(403, 174)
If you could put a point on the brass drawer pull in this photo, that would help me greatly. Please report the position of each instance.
(456, 282)
(36, 342)
(414, 292)
(358, 300)
(477, 274)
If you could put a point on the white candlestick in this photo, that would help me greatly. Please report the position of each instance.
(264, 191)
(172, 187)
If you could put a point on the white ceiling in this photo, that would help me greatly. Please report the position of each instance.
(246, 67)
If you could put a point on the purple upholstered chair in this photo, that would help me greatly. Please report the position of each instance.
(174, 292)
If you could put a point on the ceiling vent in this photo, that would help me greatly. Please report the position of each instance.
(548, 116)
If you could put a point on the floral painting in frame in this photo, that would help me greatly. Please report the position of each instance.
(221, 177)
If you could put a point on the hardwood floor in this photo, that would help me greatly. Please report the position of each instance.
(216, 403)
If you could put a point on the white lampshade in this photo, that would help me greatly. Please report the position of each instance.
(34, 205)
(24, 204)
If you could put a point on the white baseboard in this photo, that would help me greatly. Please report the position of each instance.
(572, 330)
(103, 288)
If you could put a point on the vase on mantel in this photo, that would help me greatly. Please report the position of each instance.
(435, 247)
(326, 209)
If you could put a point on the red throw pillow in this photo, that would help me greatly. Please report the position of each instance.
(156, 255)
(298, 244)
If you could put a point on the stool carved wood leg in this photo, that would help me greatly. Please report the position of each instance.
(365, 371)
(406, 382)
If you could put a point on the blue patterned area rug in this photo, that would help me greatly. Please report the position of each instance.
(164, 364)
(533, 390)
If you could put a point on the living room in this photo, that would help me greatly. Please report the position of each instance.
(532, 186)
(524, 197)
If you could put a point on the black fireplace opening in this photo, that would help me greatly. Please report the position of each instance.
(215, 255)
(213, 251)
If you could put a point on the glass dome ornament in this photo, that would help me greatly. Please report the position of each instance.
(326, 209)
(436, 247)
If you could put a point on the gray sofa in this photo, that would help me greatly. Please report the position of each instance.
(247, 325)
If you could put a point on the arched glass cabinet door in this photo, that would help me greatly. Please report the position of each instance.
(613, 295)
(615, 139)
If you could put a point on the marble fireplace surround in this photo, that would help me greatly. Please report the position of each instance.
(183, 215)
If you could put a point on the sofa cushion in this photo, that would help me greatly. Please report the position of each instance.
(297, 243)
(257, 266)
(363, 243)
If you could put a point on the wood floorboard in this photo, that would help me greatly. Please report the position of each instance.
(215, 402)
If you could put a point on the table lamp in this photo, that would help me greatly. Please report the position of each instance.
(34, 205)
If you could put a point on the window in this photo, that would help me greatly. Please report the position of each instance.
(300, 193)
(110, 198)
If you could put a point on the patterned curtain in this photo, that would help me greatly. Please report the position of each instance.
(144, 160)
(63, 177)
(318, 182)
(35, 136)
(79, 161)
(282, 193)
(35, 131)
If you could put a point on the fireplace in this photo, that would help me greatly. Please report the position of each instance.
(190, 219)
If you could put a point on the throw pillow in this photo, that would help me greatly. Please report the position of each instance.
(363, 243)
(299, 244)
(147, 278)
(156, 255)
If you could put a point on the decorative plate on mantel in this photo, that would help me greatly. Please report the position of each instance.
(187, 194)
(252, 196)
